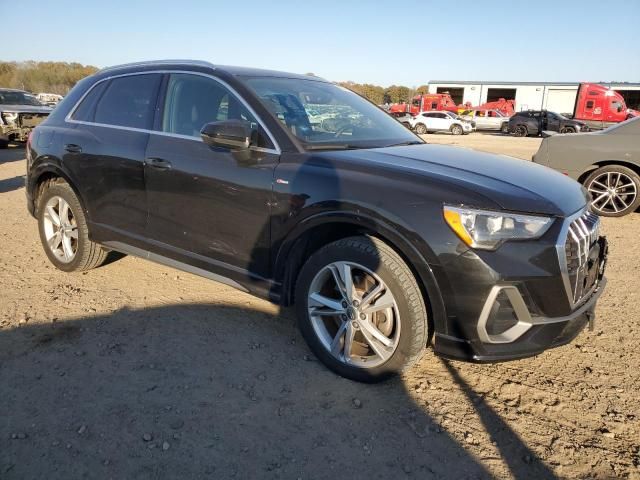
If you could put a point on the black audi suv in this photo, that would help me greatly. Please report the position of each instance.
(299, 191)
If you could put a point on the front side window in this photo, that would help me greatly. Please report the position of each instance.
(192, 101)
(129, 101)
(324, 115)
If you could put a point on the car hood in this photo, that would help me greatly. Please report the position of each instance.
(513, 184)
(25, 108)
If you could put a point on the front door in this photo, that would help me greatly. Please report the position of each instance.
(207, 206)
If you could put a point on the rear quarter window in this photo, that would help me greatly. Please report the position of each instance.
(85, 111)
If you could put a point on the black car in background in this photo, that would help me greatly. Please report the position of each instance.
(383, 243)
(534, 122)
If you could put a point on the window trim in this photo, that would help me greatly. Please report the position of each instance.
(68, 118)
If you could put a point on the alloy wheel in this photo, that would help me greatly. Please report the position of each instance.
(354, 314)
(612, 192)
(60, 229)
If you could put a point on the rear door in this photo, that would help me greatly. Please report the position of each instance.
(207, 206)
(105, 153)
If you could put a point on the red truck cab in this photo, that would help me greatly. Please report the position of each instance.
(600, 107)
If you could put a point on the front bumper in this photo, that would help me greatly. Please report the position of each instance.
(544, 333)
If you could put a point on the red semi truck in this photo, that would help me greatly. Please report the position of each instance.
(600, 107)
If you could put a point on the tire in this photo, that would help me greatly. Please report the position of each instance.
(521, 131)
(456, 130)
(405, 322)
(625, 185)
(421, 129)
(79, 253)
(568, 130)
(4, 144)
(504, 128)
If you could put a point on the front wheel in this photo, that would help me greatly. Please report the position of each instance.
(568, 130)
(421, 129)
(360, 309)
(614, 190)
(456, 130)
(504, 128)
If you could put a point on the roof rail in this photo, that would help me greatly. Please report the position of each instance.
(200, 63)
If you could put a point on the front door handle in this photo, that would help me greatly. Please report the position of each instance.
(158, 163)
(73, 148)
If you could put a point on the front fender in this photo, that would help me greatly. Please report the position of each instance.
(418, 255)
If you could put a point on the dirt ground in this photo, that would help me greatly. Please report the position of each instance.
(135, 370)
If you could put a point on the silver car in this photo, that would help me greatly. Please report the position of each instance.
(607, 163)
(487, 119)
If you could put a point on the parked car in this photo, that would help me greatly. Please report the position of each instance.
(607, 163)
(20, 112)
(534, 122)
(487, 119)
(434, 121)
(381, 241)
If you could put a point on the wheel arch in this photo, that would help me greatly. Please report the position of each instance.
(319, 230)
(604, 163)
(49, 170)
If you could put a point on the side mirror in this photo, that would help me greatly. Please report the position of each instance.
(232, 134)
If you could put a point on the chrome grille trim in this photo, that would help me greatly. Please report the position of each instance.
(579, 234)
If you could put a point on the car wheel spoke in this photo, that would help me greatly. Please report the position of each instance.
(330, 303)
(384, 301)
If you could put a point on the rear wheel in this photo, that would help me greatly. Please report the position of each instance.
(63, 230)
(456, 129)
(614, 190)
(421, 129)
(360, 309)
(521, 131)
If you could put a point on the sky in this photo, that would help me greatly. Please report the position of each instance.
(384, 43)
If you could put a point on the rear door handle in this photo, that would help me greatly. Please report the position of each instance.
(158, 163)
(73, 148)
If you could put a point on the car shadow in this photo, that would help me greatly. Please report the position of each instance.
(10, 184)
(13, 153)
(197, 390)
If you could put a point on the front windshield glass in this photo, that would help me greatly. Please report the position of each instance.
(324, 115)
(8, 97)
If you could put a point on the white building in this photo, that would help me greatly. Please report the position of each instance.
(558, 97)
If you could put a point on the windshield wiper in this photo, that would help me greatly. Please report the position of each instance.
(411, 142)
(333, 146)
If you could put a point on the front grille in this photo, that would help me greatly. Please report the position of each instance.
(582, 239)
(31, 120)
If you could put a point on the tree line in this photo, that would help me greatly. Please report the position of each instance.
(49, 77)
(380, 95)
(60, 77)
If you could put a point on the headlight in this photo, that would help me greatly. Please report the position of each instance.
(486, 230)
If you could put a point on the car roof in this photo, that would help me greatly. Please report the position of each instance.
(200, 65)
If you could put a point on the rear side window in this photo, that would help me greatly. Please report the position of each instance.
(86, 110)
(589, 105)
(129, 101)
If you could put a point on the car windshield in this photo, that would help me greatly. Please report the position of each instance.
(9, 97)
(326, 116)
